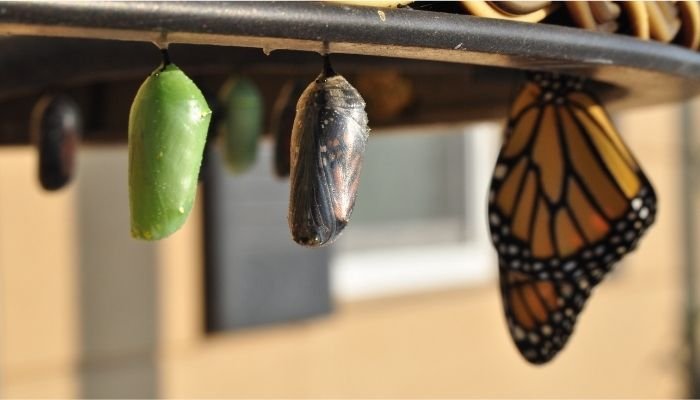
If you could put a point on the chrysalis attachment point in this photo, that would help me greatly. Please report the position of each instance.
(166, 56)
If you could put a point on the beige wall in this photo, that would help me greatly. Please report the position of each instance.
(131, 325)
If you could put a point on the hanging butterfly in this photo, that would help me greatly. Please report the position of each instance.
(567, 201)
(328, 144)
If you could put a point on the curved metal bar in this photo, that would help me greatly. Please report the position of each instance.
(642, 72)
(305, 25)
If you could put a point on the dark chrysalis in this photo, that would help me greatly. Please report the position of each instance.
(242, 123)
(55, 128)
(328, 144)
(282, 124)
(168, 125)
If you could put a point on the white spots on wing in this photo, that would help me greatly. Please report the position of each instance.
(583, 284)
(495, 219)
(518, 333)
(530, 354)
(533, 337)
(500, 171)
(567, 290)
(546, 330)
(569, 266)
(644, 213)
(636, 203)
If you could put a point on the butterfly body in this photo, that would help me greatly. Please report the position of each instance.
(567, 201)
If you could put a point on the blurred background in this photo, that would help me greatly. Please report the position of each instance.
(404, 304)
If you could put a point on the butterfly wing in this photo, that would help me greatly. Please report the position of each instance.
(567, 201)
(541, 313)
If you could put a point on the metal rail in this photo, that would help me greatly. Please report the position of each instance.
(651, 72)
(461, 68)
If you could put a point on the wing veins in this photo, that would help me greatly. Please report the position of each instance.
(533, 218)
(568, 169)
(575, 104)
(596, 154)
(542, 300)
(519, 192)
(527, 148)
(527, 307)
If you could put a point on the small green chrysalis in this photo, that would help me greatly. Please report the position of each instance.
(242, 123)
(168, 126)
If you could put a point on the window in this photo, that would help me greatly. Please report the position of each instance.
(419, 223)
(420, 217)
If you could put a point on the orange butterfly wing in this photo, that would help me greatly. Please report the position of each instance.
(567, 201)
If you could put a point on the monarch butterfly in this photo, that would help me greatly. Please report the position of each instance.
(242, 122)
(283, 123)
(55, 127)
(168, 125)
(567, 201)
(328, 144)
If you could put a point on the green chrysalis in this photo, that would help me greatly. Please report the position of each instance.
(242, 123)
(168, 126)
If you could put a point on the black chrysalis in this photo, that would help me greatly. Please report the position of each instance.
(282, 124)
(328, 144)
(55, 127)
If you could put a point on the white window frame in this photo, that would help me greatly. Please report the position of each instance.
(358, 275)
